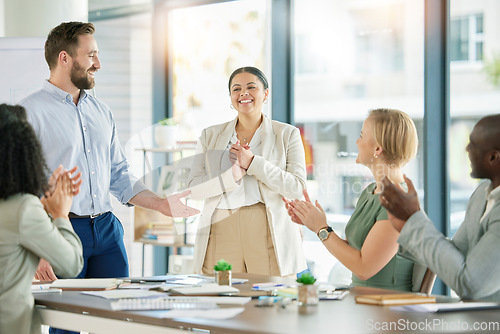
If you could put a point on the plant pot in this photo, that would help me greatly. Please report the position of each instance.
(166, 136)
(223, 277)
(308, 294)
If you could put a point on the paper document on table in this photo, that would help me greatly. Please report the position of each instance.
(188, 280)
(447, 307)
(218, 313)
(141, 286)
(126, 293)
(333, 295)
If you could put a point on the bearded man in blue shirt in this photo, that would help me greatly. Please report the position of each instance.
(76, 129)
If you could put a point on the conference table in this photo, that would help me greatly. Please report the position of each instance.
(75, 311)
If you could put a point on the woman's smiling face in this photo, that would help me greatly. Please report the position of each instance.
(247, 93)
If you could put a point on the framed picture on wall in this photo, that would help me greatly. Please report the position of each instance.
(167, 184)
(173, 178)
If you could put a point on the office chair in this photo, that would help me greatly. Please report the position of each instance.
(427, 282)
(423, 279)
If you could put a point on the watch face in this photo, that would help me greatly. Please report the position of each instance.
(323, 234)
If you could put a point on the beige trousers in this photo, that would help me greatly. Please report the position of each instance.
(243, 239)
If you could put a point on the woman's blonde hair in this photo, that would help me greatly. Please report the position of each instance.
(396, 133)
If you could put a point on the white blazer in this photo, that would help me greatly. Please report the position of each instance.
(280, 171)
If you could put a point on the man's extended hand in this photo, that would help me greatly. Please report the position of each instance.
(44, 271)
(172, 206)
(400, 205)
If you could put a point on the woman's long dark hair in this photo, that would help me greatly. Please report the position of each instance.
(22, 165)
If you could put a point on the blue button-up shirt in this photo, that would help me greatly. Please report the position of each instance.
(82, 135)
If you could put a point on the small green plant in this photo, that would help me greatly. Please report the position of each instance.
(306, 278)
(222, 265)
(167, 121)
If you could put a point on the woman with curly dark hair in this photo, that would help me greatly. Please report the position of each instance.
(26, 231)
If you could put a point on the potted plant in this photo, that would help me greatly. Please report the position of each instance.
(166, 133)
(307, 290)
(223, 272)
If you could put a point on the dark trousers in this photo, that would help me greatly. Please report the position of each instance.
(104, 253)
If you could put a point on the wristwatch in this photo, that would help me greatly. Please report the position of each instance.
(324, 233)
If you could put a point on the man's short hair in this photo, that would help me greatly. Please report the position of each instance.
(64, 37)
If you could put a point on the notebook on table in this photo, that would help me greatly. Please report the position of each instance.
(87, 284)
(395, 299)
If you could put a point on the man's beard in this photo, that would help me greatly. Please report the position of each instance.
(80, 78)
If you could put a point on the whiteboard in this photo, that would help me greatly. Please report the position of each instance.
(23, 67)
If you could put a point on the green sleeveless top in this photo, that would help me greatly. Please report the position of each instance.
(397, 274)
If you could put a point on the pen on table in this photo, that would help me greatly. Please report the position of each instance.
(266, 286)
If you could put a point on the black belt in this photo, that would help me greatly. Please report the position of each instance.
(71, 215)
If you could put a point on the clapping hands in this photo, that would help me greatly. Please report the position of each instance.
(306, 213)
(75, 179)
(241, 157)
(62, 187)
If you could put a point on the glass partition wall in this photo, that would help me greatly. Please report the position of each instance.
(351, 57)
(474, 89)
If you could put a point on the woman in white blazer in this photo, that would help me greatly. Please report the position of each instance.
(249, 163)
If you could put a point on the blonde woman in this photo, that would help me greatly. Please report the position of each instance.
(387, 142)
(250, 163)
